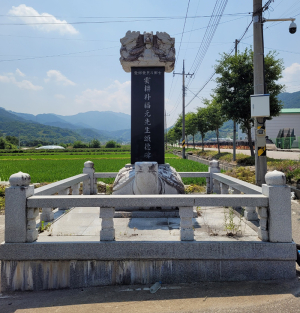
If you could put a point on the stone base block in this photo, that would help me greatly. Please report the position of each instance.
(47, 217)
(250, 215)
(263, 234)
(187, 234)
(43, 275)
(107, 234)
(31, 235)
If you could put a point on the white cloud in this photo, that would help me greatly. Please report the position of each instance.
(20, 73)
(59, 96)
(42, 21)
(59, 78)
(291, 77)
(116, 97)
(24, 84)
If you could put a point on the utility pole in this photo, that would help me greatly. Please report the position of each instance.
(234, 122)
(183, 106)
(259, 88)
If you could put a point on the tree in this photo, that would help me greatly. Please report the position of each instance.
(235, 86)
(95, 143)
(112, 144)
(202, 123)
(215, 117)
(191, 125)
(79, 144)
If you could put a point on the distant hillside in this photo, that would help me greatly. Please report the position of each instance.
(13, 125)
(107, 120)
(290, 100)
(52, 128)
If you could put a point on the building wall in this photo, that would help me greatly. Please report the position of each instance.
(283, 121)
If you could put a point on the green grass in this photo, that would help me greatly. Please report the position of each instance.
(54, 167)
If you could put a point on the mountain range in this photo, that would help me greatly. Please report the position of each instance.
(54, 128)
(86, 126)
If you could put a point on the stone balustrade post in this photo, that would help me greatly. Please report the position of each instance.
(32, 232)
(90, 185)
(63, 192)
(15, 207)
(186, 223)
(75, 189)
(250, 213)
(224, 189)
(263, 233)
(279, 213)
(47, 215)
(107, 232)
(214, 168)
(236, 192)
(208, 191)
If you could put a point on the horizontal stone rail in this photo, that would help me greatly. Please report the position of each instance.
(105, 175)
(182, 174)
(62, 184)
(194, 174)
(237, 184)
(130, 201)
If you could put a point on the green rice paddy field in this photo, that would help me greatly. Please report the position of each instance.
(52, 167)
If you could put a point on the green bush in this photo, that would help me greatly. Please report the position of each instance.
(79, 144)
(112, 144)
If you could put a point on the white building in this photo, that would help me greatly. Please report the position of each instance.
(288, 118)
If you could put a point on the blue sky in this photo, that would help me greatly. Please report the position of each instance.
(63, 56)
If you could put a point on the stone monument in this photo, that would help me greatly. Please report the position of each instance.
(147, 57)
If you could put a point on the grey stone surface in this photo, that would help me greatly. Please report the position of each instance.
(41, 275)
(186, 234)
(144, 50)
(148, 178)
(213, 168)
(216, 186)
(75, 189)
(62, 184)
(280, 220)
(47, 215)
(137, 250)
(89, 186)
(107, 234)
(147, 200)
(63, 192)
(15, 212)
(237, 184)
(19, 179)
(275, 178)
(106, 175)
(250, 213)
(224, 189)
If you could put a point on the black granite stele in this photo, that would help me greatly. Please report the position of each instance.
(147, 114)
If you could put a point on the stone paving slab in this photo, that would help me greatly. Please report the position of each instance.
(84, 224)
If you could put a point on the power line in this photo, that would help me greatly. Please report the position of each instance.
(187, 10)
(124, 17)
(55, 55)
(210, 78)
(209, 33)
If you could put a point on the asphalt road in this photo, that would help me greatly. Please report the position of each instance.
(284, 155)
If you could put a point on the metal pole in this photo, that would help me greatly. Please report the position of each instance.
(234, 122)
(259, 86)
(183, 112)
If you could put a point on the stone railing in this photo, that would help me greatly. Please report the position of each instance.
(272, 200)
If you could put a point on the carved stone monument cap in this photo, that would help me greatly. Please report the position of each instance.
(275, 178)
(19, 179)
(147, 50)
(89, 164)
